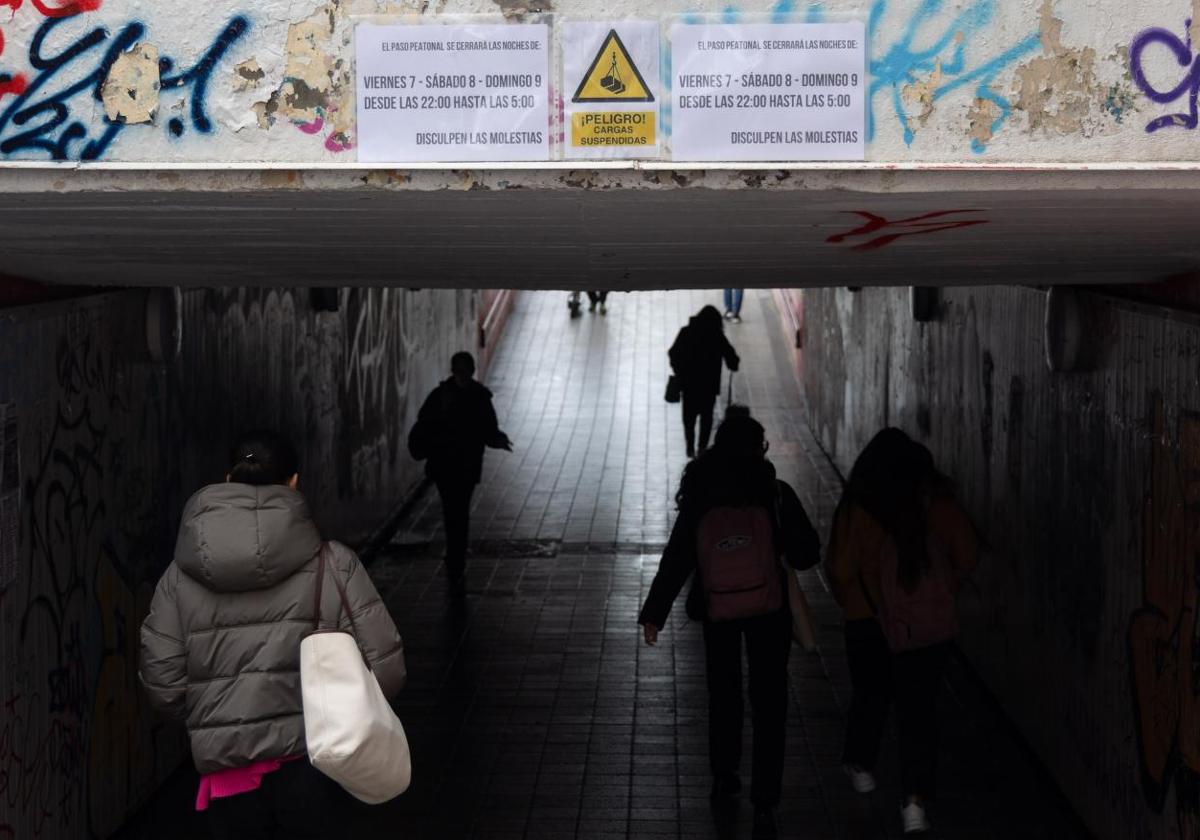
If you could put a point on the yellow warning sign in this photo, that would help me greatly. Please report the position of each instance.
(607, 129)
(612, 76)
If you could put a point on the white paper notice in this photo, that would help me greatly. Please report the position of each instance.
(768, 91)
(455, 92)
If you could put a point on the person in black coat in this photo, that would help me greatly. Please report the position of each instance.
(735, 472)
(455, 425)
(696, 358)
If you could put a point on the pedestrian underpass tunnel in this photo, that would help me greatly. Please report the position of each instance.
(968, 222)
(1064, 419)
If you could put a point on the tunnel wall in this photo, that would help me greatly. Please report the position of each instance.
(99, 448)
(1082, 618)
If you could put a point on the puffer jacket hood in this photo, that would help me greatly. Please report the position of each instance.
(240, 537)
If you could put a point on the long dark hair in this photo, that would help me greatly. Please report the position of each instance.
(894, 479)
(733, 471)
(263, 457)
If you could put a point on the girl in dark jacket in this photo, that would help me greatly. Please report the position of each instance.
(221, 646)
(735, 472)
(696, 358)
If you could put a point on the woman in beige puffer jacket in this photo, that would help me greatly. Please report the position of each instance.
(221, 646)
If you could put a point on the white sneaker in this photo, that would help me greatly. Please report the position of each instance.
(860, 779)
(914, 819)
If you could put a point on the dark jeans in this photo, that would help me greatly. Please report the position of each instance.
(597, 297)
(768, 643)
(296, 802)
(912, 681)
(697, 405)
(456, 512)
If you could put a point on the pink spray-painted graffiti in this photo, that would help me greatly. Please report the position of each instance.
(880, 232)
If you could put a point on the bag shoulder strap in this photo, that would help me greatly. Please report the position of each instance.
(323, 556)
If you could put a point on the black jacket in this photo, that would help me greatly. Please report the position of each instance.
(696, 358)
(453, 428)
(798, 542)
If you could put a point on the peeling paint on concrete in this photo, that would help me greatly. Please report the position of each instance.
(513, 9)
(981, 118)
(922, 93)
(316, 94)
(1057, 91)
(130, 93)
(249, 75)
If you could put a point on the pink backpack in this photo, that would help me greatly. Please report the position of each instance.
(739, 567)
(921, 618)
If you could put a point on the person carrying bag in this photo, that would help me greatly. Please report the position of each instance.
(221, 650)
(353, 736)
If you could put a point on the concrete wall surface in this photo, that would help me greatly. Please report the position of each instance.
(1082, 616)
(100, 447)
(949, 80)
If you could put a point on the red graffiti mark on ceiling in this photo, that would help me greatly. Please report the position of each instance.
(914, 226)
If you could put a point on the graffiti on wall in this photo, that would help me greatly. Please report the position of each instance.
(1186, 88)
(52, 107)
(92, 544)
(926, 74)
(1164, 634)
(879, 232)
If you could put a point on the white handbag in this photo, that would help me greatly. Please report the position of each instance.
(353, 735)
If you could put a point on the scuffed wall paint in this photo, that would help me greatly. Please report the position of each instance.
(111, 446)
(1084, 485)
(950, 79)
(130, 92)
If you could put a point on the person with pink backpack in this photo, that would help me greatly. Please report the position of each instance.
(900, 548)
(737, 526)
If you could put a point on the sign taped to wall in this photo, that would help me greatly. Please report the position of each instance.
(768, 91)
(612, 67)
(438, 92)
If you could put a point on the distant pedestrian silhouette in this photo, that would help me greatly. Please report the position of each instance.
(598, 298)
(899, 550)
(736, 522)
(696, 358)
(733, 305)
(455, 425)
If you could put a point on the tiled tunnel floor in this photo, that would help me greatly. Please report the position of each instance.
(533, 710)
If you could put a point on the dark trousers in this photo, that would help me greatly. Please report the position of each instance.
(768, 643)
(697, 405)
(456, 513)
(296, 802)
(597, 297)
(911, 680)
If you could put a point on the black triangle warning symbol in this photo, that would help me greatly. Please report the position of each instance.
(613, 76)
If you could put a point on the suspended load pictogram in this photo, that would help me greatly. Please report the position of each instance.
(613, 76)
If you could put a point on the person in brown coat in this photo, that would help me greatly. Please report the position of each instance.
(221, 645)
(894, 499)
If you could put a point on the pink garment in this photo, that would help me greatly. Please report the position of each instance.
(236, 780)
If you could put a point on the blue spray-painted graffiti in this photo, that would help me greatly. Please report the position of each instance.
(902, 63)
(39, 119)
(1181, 50)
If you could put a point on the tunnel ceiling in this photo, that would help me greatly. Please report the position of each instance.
(688, 237)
